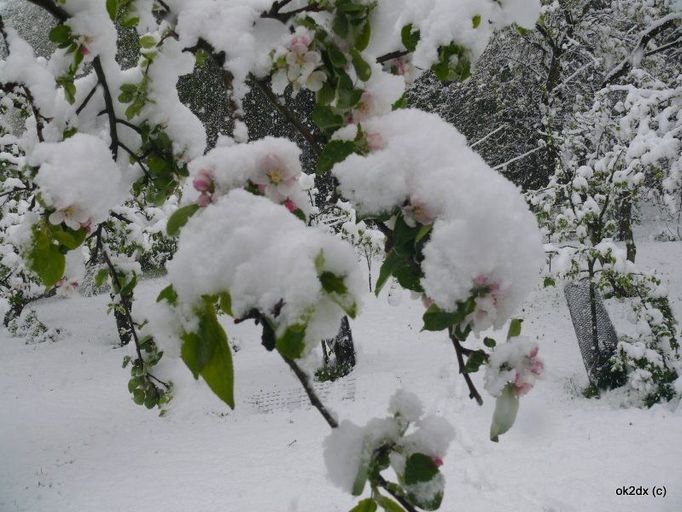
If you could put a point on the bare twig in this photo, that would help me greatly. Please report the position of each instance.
(403, 502)
(459, 350)
(310, 391)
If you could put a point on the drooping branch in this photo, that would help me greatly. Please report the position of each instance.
(310, 391)
(459, 350)
(264, 87)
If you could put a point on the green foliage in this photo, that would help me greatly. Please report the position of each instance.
(291, 344)
(207, 353)
(475, 360)
(453, 63)
(169, 295)
(180, 218)
(45, 257)
(419, 468)
(410, 37)
(146, 389)
(514, 328)
(366, 505)
(334, 152)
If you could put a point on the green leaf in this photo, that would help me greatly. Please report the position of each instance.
(147, 41)
(226, 303)
(336, 56)
(101, 276)
(389, 265)
(489, 342)
(70, 92)
(324, 97)
(319, 262)
(138, 396)
(365, 34)
(61, 35)
(112, 9)
(291, 344)
(169, 295)
(128, 288)
(180, 218)
(334, 152)
(200, 58)
(388, 504)
(476, 20)
(435, 319)
(366, 505)
(506, 407)
(419, 468)
(407, 275)
(69, 238)
(409, 37)
(331, 283)
(522, 31)
(514, 328)
(363, 472)
(340, 25)
(548, 281)
(130, 22)
(475, 360)
(361, 67)
(207, 353)
(346, 95)
(325, 118)
(44, 257)
(423, 231)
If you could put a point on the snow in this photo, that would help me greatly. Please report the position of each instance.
(270, 164)
(263, 255)
(77, 442)
(483, 232)
(78, 175)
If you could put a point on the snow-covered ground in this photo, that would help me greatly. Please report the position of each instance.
(72, 440)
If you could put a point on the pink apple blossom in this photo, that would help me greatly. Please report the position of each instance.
(416, 212)
(437, 460)
(203, 181)
(375, 141)
(290, 205)
(73, 216)
(204, 200)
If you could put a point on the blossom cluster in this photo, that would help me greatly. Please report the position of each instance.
(516, 364)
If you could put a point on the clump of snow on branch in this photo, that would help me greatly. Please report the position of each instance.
(483, 233)
(515, 362)
(79, 179)
(351, 447)
(265, 257)
(269, 166)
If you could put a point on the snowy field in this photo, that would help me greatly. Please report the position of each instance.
(72, 440)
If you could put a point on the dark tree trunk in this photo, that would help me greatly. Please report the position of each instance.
(625, 225)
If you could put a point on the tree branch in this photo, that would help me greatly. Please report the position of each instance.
(52, 8)
(300, 127)
(310, 391)
(473, 392)
(87, 99)
(109, 104)
(387, 487)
